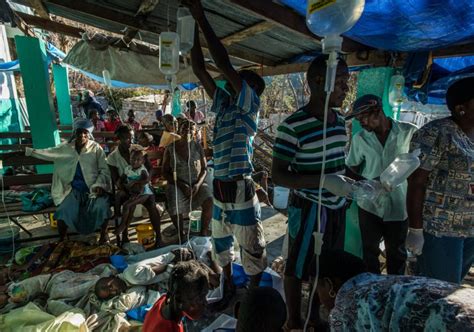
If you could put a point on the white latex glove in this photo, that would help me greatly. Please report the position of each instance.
(28, 151)
(339, 185)
(415, 240)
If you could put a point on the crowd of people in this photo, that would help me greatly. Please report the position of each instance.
(431, 214)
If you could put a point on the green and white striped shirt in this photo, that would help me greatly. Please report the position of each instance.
(300, 141)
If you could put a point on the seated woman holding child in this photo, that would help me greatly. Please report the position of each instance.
(118, 161)
(190, 190)
(134, 189)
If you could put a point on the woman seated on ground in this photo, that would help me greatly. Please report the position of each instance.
(186, 298)
(81, 181)
(135, 189)
(118, 161)
(154, 154)
(362, 301)
(188, 161)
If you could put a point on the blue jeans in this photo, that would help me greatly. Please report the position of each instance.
(446, 258)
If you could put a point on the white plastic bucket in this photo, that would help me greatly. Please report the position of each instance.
(280, 197)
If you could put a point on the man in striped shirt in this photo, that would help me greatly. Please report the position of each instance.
(297, 162)
(236, 207)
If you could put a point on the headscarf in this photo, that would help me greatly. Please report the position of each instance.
(82, 124)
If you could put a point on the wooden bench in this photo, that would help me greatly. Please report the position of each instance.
(13, 211)
(24, 140)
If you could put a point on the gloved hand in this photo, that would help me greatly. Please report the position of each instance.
(415, 240)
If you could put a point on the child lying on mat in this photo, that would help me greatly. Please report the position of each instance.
(134, 184)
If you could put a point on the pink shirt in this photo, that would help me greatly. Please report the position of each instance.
(198, 116)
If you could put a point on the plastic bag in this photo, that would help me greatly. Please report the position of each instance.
(201, 245)
(37, 200)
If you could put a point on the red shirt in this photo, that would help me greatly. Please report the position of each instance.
(155, 322)
(112, 126)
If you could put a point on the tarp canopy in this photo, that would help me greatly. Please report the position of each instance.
(125, 66)
(55, 54)
(435, 80)
(446, 71)
(409, 25)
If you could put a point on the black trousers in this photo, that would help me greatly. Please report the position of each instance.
(394, 234)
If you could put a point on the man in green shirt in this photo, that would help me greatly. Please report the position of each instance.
(372, 150)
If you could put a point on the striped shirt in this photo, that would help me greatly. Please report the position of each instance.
(299, 141)
(234, 131)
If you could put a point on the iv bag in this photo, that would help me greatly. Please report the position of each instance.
(395, 95)
(169, 53)
(333, 17)
(185, 30)
(330, 18)
(107, 79)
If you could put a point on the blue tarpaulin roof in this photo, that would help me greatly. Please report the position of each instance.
(416, 26)
(409, 25)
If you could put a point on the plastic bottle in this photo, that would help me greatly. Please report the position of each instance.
(169, 53)
(395, 95)
(400, 169)
(185, 30)
(343, 186)
(367, 190)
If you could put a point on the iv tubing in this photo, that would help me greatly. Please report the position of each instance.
(330, 76)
